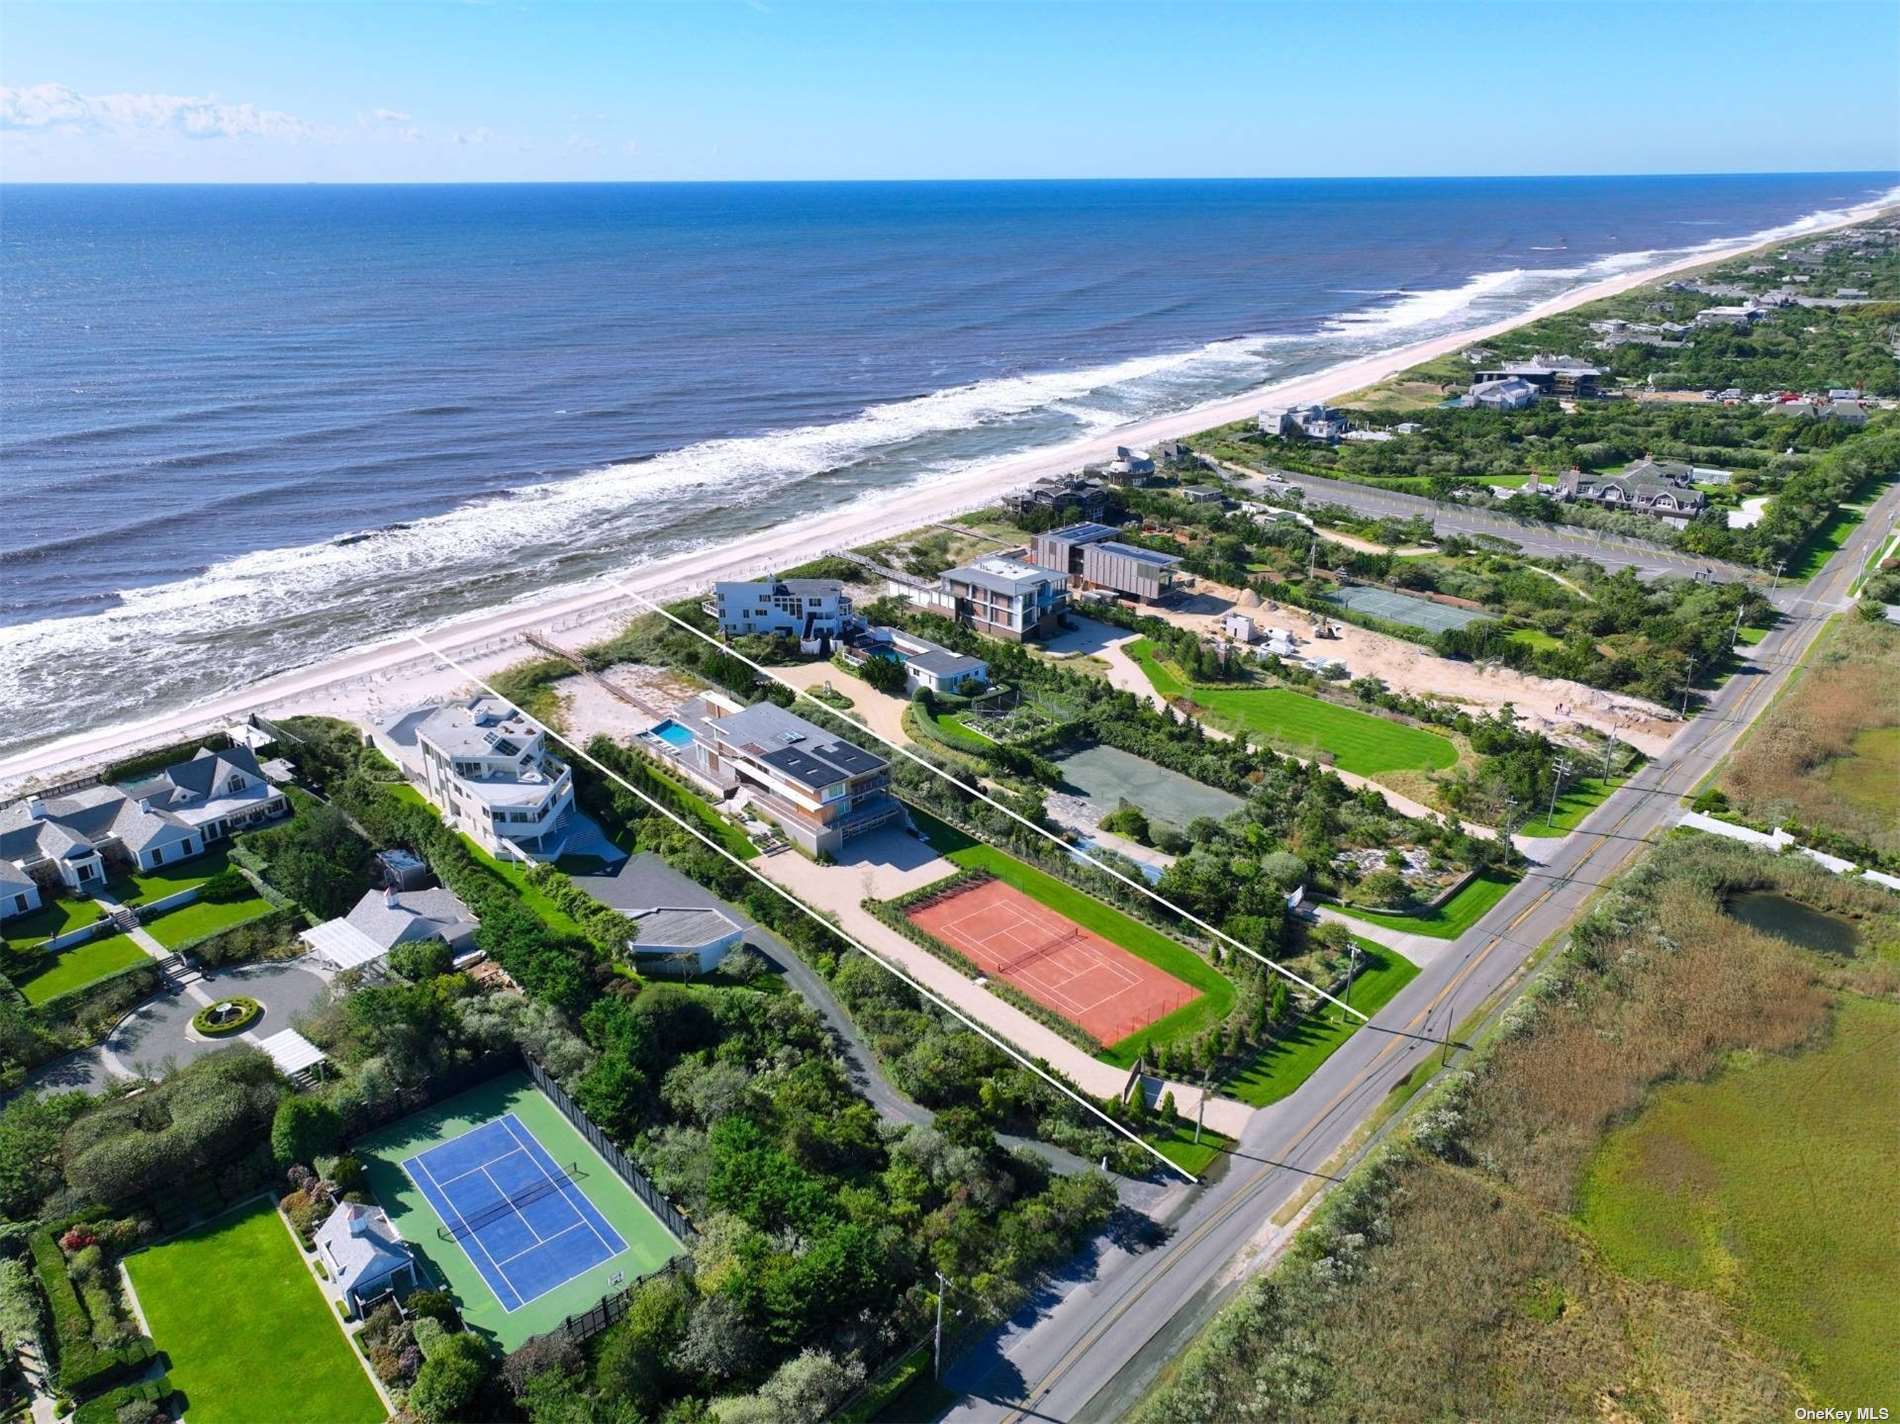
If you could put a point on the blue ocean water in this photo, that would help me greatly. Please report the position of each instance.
(209, 396)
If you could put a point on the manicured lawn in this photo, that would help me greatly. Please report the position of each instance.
(1290, 1060)
(1766, 1186)
(149, 885)
(1358, 741)
(958, 734)
(1450, 919)
(516, 874)
(1143, 941)
(202, 917)
(51, 920)
(1537, 638)
(1579, 799)
(1176, 1143)
(1827, 540)
(79, 966)
(247, 1331)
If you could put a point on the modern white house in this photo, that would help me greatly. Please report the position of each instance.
(178, 814)
(1310, 422)
(805, 609)
(926, 664)
(363, 1254)
(487, 769)
(1509, 393)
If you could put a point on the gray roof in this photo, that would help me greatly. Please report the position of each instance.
(197, 779)
(792, 746)
(68, 827)
(362, 1247)
(683, 927)
(1141, 555)
(1001, 575)
(481, 726)
(12, 878)
(1084, 533)
(647, 883)
(812, 587)
(407, 915)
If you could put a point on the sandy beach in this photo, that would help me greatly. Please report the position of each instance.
(402, 670)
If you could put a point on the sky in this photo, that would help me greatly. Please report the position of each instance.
(782, 89)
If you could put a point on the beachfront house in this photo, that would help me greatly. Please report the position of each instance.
(487, 769)
(363, 1254)
(180, 813)
(1511, 393)
(801, 608)
(1002, 596)
(1304, 422)
(1060, 492)
(1170, 453)
(819, 789)
(1092, 557)
(926, 664)
(1551, 375)
(1652, 487)
(1739, 316)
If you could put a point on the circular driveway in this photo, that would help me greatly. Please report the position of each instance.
(157, 1036)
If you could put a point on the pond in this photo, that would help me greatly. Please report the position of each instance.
(1108, 776)
(1793, 921)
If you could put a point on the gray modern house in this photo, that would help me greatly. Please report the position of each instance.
(1004, 597)
(1093, 557)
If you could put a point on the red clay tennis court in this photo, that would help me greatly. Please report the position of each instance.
(1096, 985)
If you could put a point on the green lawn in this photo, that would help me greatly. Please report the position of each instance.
(1358, 741)
(51, 920)
(203, 917)
(1450, 919)
(1768, 1186)
(1176, 1143)
(1538, 639)
(958, 734)
(717, 826)
(1143, 941)
(1579, 799)
(149, 885)
(1290, 1060)
(1826, 541)
(79, 966)
(537, 900)
(247, 1331)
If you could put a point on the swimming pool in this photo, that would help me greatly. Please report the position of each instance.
(672, 733)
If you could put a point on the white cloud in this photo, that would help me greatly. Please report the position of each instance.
(392, 116)
(57, 107)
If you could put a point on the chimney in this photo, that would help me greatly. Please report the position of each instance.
(389, 897)
(36, 807)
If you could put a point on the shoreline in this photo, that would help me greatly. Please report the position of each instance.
(352, 684)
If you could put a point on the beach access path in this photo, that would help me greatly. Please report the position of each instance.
(596, 608)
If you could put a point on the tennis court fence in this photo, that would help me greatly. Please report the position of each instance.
(642, 1185)
(604, 1312)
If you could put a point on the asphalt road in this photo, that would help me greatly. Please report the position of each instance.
(1544, 541)
(1088, 1346)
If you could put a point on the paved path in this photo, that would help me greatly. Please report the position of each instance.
(1087, 1349)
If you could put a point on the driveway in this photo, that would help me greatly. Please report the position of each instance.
(157, 1036)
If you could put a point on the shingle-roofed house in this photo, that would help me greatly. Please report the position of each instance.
(365, 1256)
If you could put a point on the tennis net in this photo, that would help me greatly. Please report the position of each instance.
(459, 1227)
(1040, 952)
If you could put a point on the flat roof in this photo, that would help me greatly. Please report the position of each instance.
(1087, 532)
(1141, 555)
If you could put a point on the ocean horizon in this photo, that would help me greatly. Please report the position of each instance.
(246, 427)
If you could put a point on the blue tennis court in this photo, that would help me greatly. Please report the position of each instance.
(518, 1214)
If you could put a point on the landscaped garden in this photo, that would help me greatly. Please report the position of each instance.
(51, 920)
(68, 969)
(247, 1330)
(1291, 1058)
(190, 923)
(1357, 742)
(1446, 921)
(142, 887)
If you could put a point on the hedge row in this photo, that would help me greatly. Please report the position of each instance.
(105, 1409)
(140, 979)
(84, 1367)
(248, 937)
(146, 763)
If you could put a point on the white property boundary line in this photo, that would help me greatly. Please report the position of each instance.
(985, 797)
(700, 835)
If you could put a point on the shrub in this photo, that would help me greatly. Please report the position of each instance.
(450, 1379)
(226, 887)
(84, 1367)
(434, 1305)
(420, 960)
(76, 1238)
(304, 1127)
(206, 1022)
(429, 1334)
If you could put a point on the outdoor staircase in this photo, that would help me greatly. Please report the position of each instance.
(177, 971)
(124, 919)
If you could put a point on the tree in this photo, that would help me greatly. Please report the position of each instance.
(418, 960)
(633, 1360)
(885, 674)
(303, 1128)
(319, 861)
(450, 1379)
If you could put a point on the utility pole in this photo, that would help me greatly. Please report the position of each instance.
(1688, 681)
(1562, 769)
(1778, 568)
(1352, 971)
(936, 1349)
(1609, 752)
(1735, 634)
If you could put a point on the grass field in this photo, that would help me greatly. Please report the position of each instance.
(1538, 639)
(1176, 1143)
(1579, 799)
(1450, 919)
(1827, 540)
(1291, 1059)
(202, 917)
(83, 964)
(57, 917)
(1357, 741)
(649, 1244)
(1217, 994)
(1776, 1186)
(247, 1331)
(149, 885)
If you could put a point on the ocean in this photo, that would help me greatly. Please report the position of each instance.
(244, 428)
